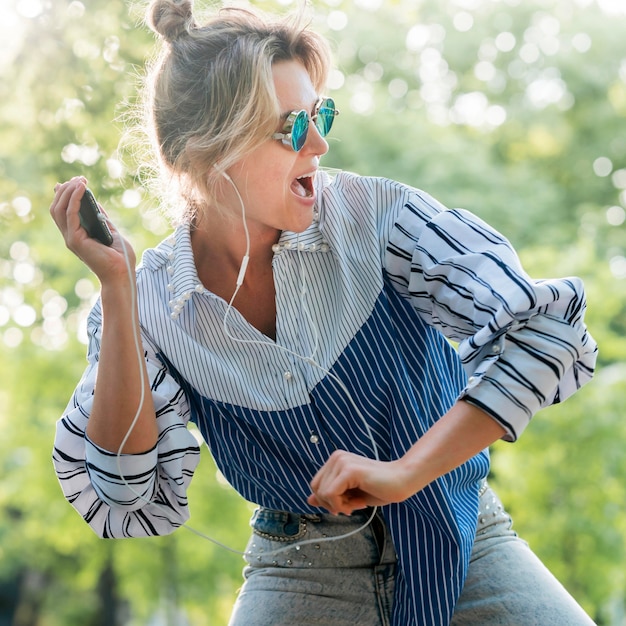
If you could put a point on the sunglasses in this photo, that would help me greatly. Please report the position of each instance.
(296, 126)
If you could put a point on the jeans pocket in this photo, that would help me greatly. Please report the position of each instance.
(278, 525)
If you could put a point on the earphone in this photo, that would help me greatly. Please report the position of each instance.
(246, 256)
(307, 359)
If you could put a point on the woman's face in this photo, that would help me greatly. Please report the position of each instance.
(276, 183)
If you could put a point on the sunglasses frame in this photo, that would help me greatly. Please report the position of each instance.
(302, 118)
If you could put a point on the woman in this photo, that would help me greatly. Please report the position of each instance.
(300, 321)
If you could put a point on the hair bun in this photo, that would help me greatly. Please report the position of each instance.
(171, 18)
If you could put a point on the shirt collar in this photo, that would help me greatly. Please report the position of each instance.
(311, 240)
(183, 280)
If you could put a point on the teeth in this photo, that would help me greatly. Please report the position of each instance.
(304, 186)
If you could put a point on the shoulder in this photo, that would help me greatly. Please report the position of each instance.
(352, 188)
(358, 194)
(379, 205)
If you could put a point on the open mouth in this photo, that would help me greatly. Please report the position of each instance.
(303, 186)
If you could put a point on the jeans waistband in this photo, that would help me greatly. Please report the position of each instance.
(283, 538)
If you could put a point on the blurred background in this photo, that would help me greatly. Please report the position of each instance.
(514, 109)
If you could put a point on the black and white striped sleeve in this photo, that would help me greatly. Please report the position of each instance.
(127, 495)
(523, 342)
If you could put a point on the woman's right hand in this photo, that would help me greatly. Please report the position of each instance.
(108, 263)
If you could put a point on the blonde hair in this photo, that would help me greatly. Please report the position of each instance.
(210, 95)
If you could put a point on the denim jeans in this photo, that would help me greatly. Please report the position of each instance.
(295, 577)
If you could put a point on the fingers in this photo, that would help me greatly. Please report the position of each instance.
(346, 503)
(70, 185)
(109, 263)
(65, 210)
(348, 482)
(338, 486)
(65, 205)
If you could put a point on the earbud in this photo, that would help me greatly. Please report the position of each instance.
(222, 172)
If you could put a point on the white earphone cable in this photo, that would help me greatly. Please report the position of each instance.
(307, 359)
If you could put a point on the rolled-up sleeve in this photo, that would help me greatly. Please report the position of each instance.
(127, 495)
(523, 342)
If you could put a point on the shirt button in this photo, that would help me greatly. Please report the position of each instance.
(314, 438)
(287, 375)
(471, 380)
(496, 349)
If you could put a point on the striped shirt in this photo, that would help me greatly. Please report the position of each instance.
(361, 362)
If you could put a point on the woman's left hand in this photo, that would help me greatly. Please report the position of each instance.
(348, 482)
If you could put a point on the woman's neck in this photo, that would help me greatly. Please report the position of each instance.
(218, 256)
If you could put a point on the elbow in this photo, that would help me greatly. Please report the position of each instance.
(126, 492)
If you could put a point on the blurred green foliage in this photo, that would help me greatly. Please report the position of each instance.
(514, 110)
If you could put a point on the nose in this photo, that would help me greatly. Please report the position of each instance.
(314, 141)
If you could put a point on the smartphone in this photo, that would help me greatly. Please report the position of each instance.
(93, 220)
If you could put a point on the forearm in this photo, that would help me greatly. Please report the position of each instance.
(122, 384)
(348, 481)
(460, 434)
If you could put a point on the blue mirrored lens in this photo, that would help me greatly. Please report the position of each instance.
(299, 130)
(325, 116)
